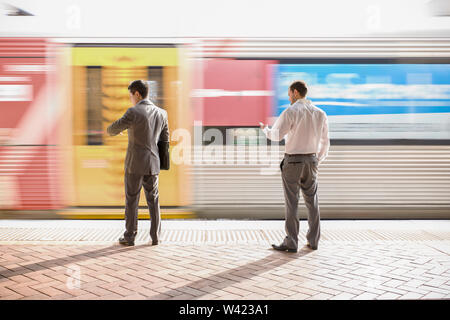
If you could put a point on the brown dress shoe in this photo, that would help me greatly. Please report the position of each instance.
(310, 246)
(125, 242)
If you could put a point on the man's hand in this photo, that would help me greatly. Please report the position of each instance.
(109, 134)
(262, 125)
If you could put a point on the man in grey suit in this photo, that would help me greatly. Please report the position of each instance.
(306, 130)
(147, 126)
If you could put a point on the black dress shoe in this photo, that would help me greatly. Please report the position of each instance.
(125, 242)
(282, 247)
(155, 243)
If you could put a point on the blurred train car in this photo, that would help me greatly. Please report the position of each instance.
(33, 125)
(388, 103)
(100, 77)
(56, 100)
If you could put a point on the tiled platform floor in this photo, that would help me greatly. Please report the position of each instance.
(224, 260)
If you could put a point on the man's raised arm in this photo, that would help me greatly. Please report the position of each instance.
(279, 129)
(121, 124)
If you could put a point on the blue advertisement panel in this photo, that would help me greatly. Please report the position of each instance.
(385, 101)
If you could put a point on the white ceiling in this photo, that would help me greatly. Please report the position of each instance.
(224, 19)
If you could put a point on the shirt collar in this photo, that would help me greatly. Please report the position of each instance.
(301, 101)
(144, 101)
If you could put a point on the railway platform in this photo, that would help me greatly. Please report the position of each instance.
(224, 260)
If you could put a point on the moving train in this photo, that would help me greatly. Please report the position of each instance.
(387, 100)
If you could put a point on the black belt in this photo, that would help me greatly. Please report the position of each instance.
(300, 154)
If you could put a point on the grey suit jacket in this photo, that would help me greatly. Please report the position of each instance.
(147, 124)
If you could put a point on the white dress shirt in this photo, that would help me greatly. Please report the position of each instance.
(305, 127)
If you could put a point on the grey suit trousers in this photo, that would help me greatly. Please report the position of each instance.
(299, 172)
(133, 186)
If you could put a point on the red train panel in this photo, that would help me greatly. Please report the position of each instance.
(30, 166)
(234, 93)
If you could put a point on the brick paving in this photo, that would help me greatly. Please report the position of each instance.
(340, 269)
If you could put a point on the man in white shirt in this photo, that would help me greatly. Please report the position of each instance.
(305, 129)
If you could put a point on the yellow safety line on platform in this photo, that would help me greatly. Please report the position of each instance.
(121, 215)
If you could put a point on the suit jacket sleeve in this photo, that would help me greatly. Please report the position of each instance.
(164, 136)
(121, 124)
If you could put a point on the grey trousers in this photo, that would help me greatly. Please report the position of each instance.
(299, 172)
(133, 186)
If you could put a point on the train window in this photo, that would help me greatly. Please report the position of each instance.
(94, 125)
(107, 98)
(156, 85)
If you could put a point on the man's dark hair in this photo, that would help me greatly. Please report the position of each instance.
(139, 86)
(300, 86)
